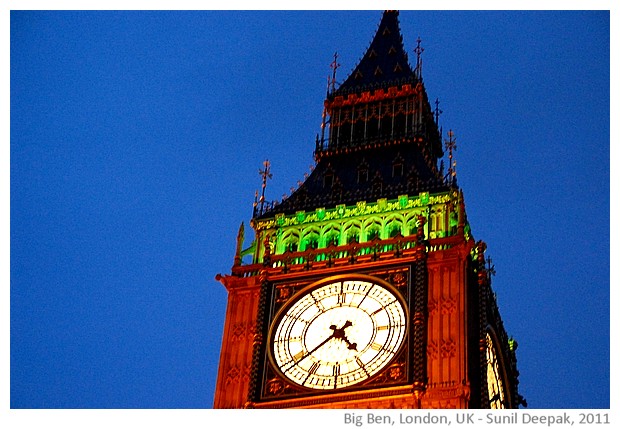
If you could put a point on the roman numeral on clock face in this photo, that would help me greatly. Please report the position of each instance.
(312, 370)
(342, 298)
(376, 346)
(319, 304)
(336, 370)
(313, 367)
(359, 362)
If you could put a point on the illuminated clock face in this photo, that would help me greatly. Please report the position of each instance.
(338, 334)
(494, 378)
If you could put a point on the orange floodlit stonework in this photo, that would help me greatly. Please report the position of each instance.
(365, 288)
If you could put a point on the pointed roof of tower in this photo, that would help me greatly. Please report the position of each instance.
(388, 165)
(385, 61)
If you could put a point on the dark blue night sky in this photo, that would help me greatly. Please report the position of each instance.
(135, 143)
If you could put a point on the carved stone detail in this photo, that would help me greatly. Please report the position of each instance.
(275, 386)
(242, 331)
(236, 374)
(443, 306)
(442, 349)
(433, 305)
(448, 306)
(448, 348)
(399, 279)
(448, 394)
(432, 350)
(396, 372)
(284, 293)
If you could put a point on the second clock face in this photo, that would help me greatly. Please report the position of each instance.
(497, 397)
(338, 334)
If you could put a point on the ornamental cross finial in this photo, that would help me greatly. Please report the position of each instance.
(438, 111)
(451, 147)
(490, 268)
(265, 173)
(418, 51)
(334, 66)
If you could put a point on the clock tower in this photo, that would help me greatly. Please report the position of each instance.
(366, 287)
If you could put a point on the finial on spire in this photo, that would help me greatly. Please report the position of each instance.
(334, 66)
(437, 111)
(490, 269)
(240, 239)
(418, 51)
(451, 146)
(265, 173)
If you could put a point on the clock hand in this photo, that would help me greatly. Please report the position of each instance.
(350, 345)
(346, 325)
(340, 334)
(333, 335)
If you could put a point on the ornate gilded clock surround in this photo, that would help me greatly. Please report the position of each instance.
(269, 385)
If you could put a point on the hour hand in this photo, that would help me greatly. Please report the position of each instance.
(339, 333)
(351, 346)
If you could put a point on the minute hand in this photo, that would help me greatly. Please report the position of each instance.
(317, 347)
(337, 333)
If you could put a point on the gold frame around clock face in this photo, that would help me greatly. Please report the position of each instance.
(338, 332)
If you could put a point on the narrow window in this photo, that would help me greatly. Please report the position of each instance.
(372, 234)
(292, 246)
(328, 180)
(353, 236)
(397, 169)
(394, 230)
(362, 175)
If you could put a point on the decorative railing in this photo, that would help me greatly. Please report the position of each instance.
(353, 253)
(325, 145)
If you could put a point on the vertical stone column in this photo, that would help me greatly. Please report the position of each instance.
(235, 365)
(447, 343)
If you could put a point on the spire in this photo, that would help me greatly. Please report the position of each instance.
(451, 147)
(418, 53)
(265, 174)
(334, 66)
(240, 239)
(385, 61)
(380, 116)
